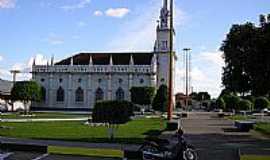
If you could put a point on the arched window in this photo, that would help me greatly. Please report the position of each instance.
(79, 96)
(99, 94)
(120, 94)
(60, 97)
(43, 94)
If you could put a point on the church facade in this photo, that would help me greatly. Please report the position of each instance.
(78, 82)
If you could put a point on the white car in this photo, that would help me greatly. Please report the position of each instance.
(266, 110)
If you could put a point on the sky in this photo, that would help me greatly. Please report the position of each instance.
(40, 29)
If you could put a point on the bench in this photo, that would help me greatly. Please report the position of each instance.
(244, 126)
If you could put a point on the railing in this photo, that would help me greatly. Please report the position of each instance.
(93, 69)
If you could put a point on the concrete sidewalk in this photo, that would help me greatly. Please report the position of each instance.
(208, 132)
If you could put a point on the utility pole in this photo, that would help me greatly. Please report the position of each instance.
(170, 104)
(188, 74)
(14, 74)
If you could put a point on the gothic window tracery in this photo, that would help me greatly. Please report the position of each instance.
(43, 94)
(99, 95)
(120, 94)
(79, 95)
(60, 97)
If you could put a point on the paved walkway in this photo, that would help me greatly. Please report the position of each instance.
(207, 131)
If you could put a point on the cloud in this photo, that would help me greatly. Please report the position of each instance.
(7, 4)
(81, 4)
(4, 74)
(26, 67)
(214, 57)
(98, 13)
(54, 39)
(1, 58)
(139, 33)
(206, 72)
(81, 24)
(117, 12)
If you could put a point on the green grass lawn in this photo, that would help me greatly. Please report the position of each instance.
(132, 132)
(85, 152)
(253, 157)
(263, 127)
(240, 117)
(44, 115)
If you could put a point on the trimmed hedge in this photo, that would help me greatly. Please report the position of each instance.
(112, 112)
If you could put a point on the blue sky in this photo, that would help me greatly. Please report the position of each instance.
(42, 28)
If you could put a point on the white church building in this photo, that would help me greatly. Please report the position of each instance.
(77, 82)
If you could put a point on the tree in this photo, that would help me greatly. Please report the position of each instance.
(236, 50)
(231, 102)
(203, 96)
(142, 95)
(261, 103)
(161, 99)
(113, 113)
(178, 105)
(221, 103)
(246, 54)
(27, 92)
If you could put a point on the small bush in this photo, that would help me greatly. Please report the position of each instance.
(245, 105)
(112, 112)
(261, 103)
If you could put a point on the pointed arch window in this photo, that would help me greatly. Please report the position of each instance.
(79, 95)
(43, 94)
(99, 94)
(120, 94)
(60, 97)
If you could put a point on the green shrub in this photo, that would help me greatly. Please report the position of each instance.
(261, 103)
(245, 105)
(142, 95)
(160, 101)
(178, 105)
(221, 103)
(112, 112)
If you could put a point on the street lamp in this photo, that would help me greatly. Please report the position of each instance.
(187, 76)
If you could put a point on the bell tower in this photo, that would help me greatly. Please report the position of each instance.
(162, 45)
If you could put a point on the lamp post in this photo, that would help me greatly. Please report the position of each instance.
(187, 68)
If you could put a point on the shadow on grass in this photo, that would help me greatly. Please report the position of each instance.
(120, 140)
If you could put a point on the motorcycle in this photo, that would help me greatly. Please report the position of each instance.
(174, 149)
